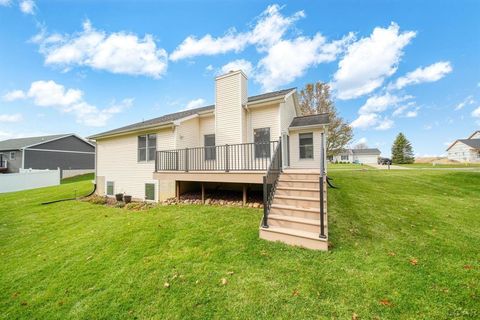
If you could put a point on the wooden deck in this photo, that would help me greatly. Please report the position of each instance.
(212, 176)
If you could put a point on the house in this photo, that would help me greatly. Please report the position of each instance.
(465, 150)
(245, 143)
(363, 156)
(72, 154)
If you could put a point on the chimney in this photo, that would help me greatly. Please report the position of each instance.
(230, 114)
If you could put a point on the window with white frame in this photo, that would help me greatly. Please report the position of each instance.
(306, 145)
(147, 146)
(12, 155)
(344, 158)
(261, 139)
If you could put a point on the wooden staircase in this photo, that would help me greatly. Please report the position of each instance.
(294, 216)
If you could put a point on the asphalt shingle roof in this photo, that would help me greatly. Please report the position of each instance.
(366, 151)
(314, 119)
(17, 144)
(165, 119)
(474, 143)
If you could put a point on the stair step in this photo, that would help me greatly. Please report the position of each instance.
(282, 179)
(287, 207)
(313, 222)
(298, 189)
(297, 198)
(300, 238)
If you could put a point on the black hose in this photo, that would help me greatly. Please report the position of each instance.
(330, 183)
(69, 199)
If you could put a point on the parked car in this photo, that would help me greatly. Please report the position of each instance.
(384, 161)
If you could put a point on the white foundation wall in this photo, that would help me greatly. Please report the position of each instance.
(295, 161)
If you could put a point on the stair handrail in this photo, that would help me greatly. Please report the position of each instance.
(270, 180)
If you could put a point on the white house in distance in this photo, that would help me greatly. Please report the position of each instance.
(363, 156)
(465, 150)
(244, 143)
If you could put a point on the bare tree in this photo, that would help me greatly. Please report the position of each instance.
(361, 145)
(315, 98)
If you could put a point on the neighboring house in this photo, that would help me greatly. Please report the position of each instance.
(240, 142)
(363, 156)
(68, 152)
(466, 150)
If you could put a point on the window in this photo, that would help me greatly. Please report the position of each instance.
(306, 145)
(110, 188)
(149, 191)
(344, 157)
(12, 155)
(147, 146)
(209, 143)
(261, 138)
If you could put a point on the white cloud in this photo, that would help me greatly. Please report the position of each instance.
(209, 68)
(54, 95)
(466, 102)
(17, 117)
(412, 113)
(362, 140)
(27, 6)
(289, 59)
(270, 26)
(372, 120)
(431, 73)
(476, 113)
(5, 2)
(365, 121)
(196, 103)
(384, 124)
(120, 52)
(240, 64)
(14, 95)
(380, 103)
(369, 61)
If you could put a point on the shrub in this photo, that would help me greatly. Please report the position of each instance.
(119, 204)
(97, 200)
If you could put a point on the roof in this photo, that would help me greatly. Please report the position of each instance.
(478, 131)
(17, 144)
(366, 151)
(310, 120)
(473, 143)
(169, 118)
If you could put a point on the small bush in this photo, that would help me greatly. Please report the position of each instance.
(97, 200)
(134, 206)
(119, 204)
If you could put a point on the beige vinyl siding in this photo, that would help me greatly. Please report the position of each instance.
(117, 162)
(207, 126)
(229, 120)
(295, 161)
(264, 117)
(187, 134)
(462, 153)
(287, 113)
(366, 158)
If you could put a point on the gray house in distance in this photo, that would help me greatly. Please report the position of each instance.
(65, 151)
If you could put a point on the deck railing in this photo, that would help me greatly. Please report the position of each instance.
(3, 164)
(270, 181)
(229, 157)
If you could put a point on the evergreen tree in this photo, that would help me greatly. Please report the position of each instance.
(402, 150)
(314, 99)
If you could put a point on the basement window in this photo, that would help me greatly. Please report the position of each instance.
(110, 188)
(150, 191)
(306, 145)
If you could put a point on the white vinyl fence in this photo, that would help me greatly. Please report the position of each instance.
(29, 179)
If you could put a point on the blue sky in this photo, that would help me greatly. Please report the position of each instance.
(86, 66)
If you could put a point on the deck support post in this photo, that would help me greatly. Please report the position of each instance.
(203, 193)
(244, 201)
(177, 190)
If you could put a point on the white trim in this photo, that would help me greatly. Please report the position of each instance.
(155, 193)
(156, 126)
(64, 151)
(179, 121)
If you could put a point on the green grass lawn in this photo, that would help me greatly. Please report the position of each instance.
(444, 166)
(406, 245)
(347, 166)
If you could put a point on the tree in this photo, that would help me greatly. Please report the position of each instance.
(402, 150)
(314, 99)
